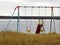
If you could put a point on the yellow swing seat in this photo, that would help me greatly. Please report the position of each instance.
(28, 30)
(42, 30)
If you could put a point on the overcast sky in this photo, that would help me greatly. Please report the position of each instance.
(7, 6)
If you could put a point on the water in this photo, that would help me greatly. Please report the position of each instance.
(28, 23)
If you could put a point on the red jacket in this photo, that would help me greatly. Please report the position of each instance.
(38, 28)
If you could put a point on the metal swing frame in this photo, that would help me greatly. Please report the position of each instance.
(30, 17)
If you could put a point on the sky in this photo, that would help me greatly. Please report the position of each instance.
(7, 6)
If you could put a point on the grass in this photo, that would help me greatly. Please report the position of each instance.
(16, 38)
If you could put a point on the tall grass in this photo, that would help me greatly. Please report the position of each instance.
(15, 38)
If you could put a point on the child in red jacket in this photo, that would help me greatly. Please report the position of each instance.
(38, 28)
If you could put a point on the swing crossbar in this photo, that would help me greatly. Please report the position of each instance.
(39, 6)
(31, 17)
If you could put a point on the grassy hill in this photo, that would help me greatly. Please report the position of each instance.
(15, 38)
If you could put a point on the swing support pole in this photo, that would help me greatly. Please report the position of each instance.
(52, 20)
(18, 7)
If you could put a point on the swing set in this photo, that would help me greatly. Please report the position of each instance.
(40, 27)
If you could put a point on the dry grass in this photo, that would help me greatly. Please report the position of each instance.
(14, 38)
